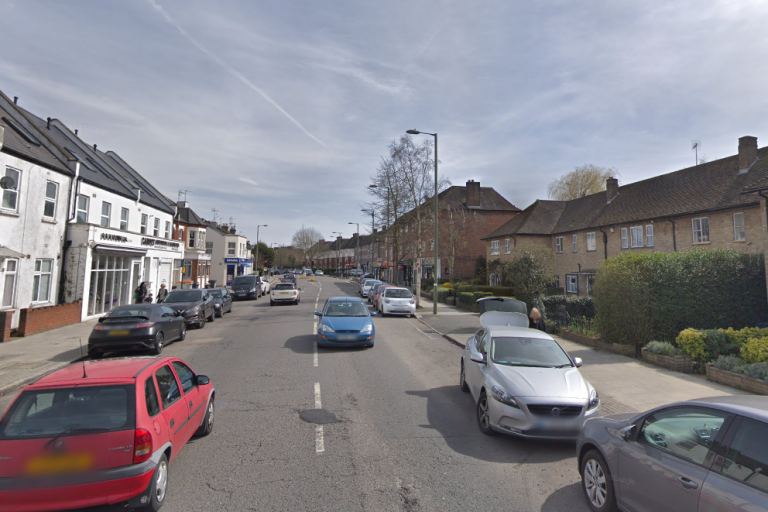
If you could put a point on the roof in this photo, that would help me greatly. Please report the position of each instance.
(105, 371)
(186, 215)
(490, 200)
(538, 219)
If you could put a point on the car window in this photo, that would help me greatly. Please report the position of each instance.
(150, 395)
(747, 459)
(169, 388)
(183, 296)
(186, 376)
(513, 351)
(352, 308)
(168, 311)
(687, 432)
(397, 293)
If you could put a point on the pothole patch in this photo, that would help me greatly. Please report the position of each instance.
(318, 416)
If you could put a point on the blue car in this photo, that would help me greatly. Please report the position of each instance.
(345, 322)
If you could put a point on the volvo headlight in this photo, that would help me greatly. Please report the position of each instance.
(594, 399)
(327, 328)
(502, 396)
(367, 328)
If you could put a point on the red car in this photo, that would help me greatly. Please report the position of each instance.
(101, 433)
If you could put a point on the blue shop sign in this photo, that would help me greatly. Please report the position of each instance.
(239, 261)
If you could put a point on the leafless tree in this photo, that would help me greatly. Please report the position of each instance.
(581, 181)
(455, 223)
(306, 240)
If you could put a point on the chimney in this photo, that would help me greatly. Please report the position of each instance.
(94, 147)
(611, 189)
(473, 194)
(354, 235)
(15, 100)
(375, 231)
(48, 123)
(322, 241)
(225, 227)
(747, 152)
(182, 204)
(233, 230)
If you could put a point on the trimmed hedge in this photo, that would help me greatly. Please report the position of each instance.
(494, 291)
(644, 296)
(576, 307)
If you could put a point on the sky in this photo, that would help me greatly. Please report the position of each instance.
(277, 112)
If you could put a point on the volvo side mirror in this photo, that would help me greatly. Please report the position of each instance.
(628, 432)
(477, 357)
(578, 362)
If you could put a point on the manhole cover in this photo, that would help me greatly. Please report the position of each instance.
(318, 416)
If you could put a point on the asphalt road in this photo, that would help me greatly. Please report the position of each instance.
(398, 433)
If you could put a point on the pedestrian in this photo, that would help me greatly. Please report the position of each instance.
(535, 321)
(148, 299)
(140, 293)
(162, 294)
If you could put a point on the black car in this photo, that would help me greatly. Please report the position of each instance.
(195, 305)
(246, 287)
(136, 327)
(222, 301)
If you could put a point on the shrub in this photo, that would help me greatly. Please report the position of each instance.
(427, 284)
(694, 343)
(742, 336)
(755, 350)
(442, 294)
(737, 365)
(757, 371)
(729, 363)
(448, 285)
(466, 297)
(499, 291)
(575, 307)
(663, 348)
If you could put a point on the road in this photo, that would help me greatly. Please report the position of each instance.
(398, 434)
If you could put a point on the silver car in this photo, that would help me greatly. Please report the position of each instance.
(705, 455)
(365, 286)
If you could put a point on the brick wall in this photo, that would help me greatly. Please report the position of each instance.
(34, 320)
(5, 325)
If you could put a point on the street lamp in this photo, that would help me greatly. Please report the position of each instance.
(256, 261)
(338, 241)
(386, 239)
(373, 240)
(434, 291)
(357, 249)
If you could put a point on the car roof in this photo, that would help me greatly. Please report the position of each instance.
(518, 332)
(346, 299)
(753, 406)
(393, 287)
(119, 370)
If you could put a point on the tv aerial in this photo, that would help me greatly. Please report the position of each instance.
(695, 147)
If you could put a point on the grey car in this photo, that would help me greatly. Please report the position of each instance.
(705, 455)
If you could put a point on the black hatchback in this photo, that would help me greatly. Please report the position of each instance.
(136, 327)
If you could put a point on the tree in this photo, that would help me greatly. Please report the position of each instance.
(265, 253)
(306, 240)
(455, 223)
(581, 181)
(530, 272)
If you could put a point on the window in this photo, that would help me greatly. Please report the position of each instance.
(124, 219)
(106, 213)
(590, 284)
(156, 231)
(181, 233)
(624, 239)
(507, 246)
(167, 230)
(150, 395)
(649, 235)
(591, 242)
(557, 281)
(9, 281)
(432, 245)
(747, 458)
(495, 247)
(495, 280)
(700, 228)
(637, 236)
(559, 244)
(572, 283)
(739, 233)
(208, 247)
(144, 220)
(201, 239)
(169, 388)
(231, 247)
(82, 208)
(689, 430)
(11, 180)
(51, 192)
(192, 238)
(186, 376)
(575, 243)
(41, 287)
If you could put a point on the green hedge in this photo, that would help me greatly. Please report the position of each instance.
(643, 296)
(495, 291)
(576, 307)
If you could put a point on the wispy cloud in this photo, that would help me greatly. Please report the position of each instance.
(249, 181)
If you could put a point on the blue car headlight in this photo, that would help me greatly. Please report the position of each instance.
(367, 328)
(502, 396)
(594, 399)
(326, 328)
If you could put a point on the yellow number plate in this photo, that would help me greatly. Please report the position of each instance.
(119, 333)
(58, 464)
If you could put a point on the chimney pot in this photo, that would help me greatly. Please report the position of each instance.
(75, 131)
(747, 152)
(15, 100)
(94, 147)
(473, 194)
(48, 123)
(611, 189)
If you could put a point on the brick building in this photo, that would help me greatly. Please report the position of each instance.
(190, 229)
(713, 205)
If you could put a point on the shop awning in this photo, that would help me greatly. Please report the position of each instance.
(115, 250)
(5, 252)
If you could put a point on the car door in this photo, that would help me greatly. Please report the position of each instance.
(175, 409)
(173, 321)
(195, 402)
(226, 300)
(473, 372)
(664, 467)
(738, 480)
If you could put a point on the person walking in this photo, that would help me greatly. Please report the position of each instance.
(162, 294)
(140, 293)
(535, 321)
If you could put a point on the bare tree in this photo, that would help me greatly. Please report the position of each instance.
(581, 181)
(455, 222)
(306, 240)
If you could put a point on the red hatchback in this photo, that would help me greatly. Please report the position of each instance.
(101, 433)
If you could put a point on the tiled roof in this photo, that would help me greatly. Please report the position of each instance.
(188, 216)
(538, 219)
(489, 199)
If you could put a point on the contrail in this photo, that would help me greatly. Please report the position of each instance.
(232, 71)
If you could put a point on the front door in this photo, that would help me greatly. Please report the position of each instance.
(175, 409)
(664, 468)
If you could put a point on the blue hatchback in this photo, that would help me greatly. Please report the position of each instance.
(345, 322)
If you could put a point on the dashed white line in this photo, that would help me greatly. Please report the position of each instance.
(318, 402)
(319, 438)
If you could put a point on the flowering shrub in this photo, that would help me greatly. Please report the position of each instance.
(694, 343)
(755, 350)
(663, 348)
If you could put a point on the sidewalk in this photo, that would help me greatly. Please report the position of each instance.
(625, 384)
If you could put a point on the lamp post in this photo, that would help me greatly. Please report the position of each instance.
(373, 239)
(386, 239)
(338, 240)
(256, 261)
(357, 249)
(434, 291)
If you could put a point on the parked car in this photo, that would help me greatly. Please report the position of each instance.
(285, 292)
(523, 382)
(264, 282)
(705, 454)
(373, 290)
(376, 292)
(136, 327)
(246, 287)
(195, 305)
(101, 433)
(222, 301)
(365, 286)
(396, 301)
(318, 272)
(345, 321)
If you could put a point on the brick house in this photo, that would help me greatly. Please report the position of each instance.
(190, 229)
(712, 205)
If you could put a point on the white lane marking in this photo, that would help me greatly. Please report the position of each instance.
(315, 361)
(318, 403)
(319, 441)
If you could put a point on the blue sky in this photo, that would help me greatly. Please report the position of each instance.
(278, 112)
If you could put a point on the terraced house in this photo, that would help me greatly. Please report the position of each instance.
(716, 204)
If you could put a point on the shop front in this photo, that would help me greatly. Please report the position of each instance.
(237, 267)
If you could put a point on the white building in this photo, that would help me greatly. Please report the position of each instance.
(229, 254)
(35, 185)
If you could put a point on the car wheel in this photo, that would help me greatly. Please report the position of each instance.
(220, 313)
(201, 323)
(212, 316)
(183, 333)
(207, 426)
(463, 379)
(597, 483)
(484, 415)
(159, 487)
(158, 348)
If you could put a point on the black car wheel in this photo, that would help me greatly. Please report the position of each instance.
(201, 323)
(219, 313)
(183, 333)
(597, 483)
(159, 487)
(212, 316)
(207, 425)
(158, 348)
(463, 379)
(484, 415)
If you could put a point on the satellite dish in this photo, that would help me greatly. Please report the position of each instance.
(7, 183)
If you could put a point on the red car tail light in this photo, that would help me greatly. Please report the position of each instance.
(147, 324)
(98, 327)
(142, 446)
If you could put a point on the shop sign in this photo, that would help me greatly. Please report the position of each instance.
(109, 237)
(159, 243)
